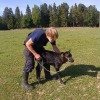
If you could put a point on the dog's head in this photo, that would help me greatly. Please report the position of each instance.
(68, 56)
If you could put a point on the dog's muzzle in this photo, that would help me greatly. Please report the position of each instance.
(71, 59)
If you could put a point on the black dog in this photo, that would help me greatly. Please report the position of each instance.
(55, 59)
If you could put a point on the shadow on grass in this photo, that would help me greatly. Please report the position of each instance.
(80, 70)
(76, 71)
(42, 82)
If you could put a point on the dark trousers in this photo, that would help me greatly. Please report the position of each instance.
(29, 64)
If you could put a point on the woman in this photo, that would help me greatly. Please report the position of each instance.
(34, 46)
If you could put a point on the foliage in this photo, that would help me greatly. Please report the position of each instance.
(44, 15)
(8, 18)
(17, 17)
(28, 17)
(52, 15)
(36, 16)
(64, 14)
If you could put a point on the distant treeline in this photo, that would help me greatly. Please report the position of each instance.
(50, 15)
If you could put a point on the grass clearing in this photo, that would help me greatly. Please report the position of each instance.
(80, 77)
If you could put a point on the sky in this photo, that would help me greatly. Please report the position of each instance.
(22, 4)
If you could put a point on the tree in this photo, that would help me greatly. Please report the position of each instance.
(5, 16)
(64, 14)
(54, 13)
(91, 17)
(51, 15)
(58, 16)
(11, 21)
(36, 16)
(70, 18)
(8, 18)
(22, 20)
(3, 26)
(0, 22)
(74, 14)
(44, 15)
(28, 17)
(81, 9)
(18, 18)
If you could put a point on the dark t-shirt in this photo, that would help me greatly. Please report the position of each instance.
(39, 38)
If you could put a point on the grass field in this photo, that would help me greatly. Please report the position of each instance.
(80, 77)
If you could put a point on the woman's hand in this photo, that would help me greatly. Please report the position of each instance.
(37, 56)
(55, 48)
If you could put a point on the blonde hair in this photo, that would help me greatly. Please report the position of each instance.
(52, 32)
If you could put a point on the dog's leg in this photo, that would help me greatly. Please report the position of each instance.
(38, 73)
(58, 74)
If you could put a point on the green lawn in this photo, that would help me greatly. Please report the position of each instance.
(80, 77)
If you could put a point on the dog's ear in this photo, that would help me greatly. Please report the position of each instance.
(62, 53)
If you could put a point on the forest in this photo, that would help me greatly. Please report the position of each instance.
(50, 15)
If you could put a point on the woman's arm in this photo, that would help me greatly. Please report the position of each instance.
(55, 48)
(29, 45)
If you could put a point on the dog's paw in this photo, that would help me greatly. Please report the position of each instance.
(62, 83)
(39, 81)
(54, 78)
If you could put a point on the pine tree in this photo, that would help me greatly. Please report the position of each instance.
(11, 21)
(36, 16)
(8, 18)
(17, 17)
(74, 14)
(44, 15)
(51, 15)
(64, 14)
(28, 17)
(54, 15)
(81, 9)
(1, 23)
